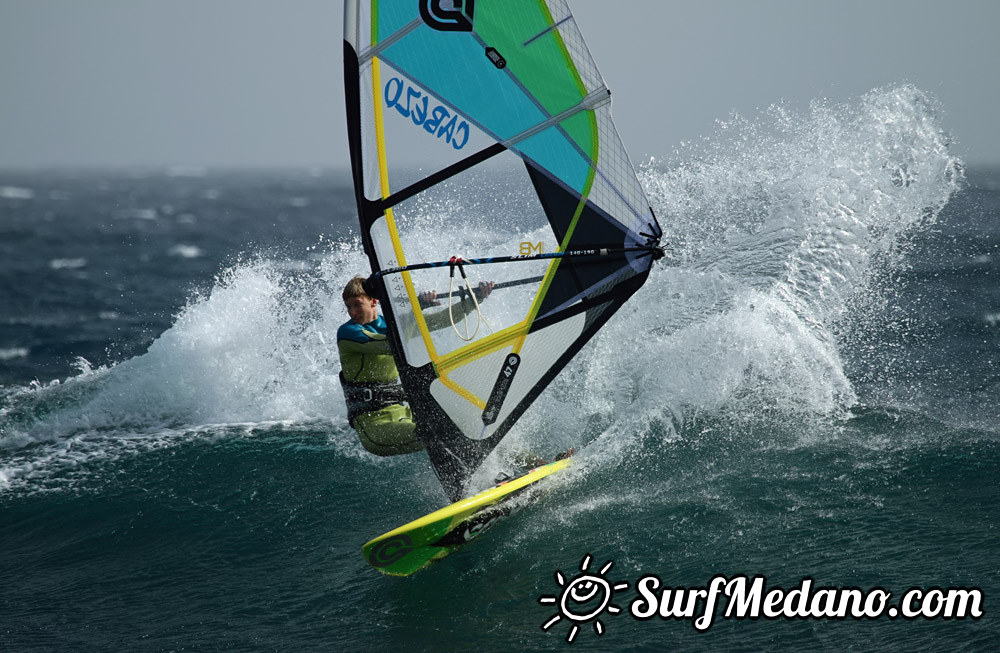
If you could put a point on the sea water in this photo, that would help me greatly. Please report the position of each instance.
(807, 388)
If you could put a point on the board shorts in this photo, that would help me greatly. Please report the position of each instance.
(389, 431)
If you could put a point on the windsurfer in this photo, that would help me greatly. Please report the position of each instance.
(375, 398)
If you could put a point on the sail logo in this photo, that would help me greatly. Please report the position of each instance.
(447, 15)
(528, 248)
(436, 120)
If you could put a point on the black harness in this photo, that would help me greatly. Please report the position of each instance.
(369, 396)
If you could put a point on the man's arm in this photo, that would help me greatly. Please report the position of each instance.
(459, 309)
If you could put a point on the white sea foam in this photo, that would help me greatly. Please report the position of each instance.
(10, 353)
(135, 214)
(16, 193)
(185, 251)
(67, 263)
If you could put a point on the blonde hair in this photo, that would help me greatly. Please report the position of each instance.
(355, 288)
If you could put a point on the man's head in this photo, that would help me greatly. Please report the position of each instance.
(360, 307)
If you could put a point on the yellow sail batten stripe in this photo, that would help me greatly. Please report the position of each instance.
(482, 347)
(462, 392)
(397, 245)
(471, 353)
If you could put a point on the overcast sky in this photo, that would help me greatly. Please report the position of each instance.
(260, 82)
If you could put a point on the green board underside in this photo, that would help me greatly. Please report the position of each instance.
(415, 545)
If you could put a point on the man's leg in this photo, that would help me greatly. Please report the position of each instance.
(388, 432)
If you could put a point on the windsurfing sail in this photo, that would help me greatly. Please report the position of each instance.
(491, 117)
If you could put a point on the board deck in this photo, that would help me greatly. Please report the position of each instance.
(413, 546)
